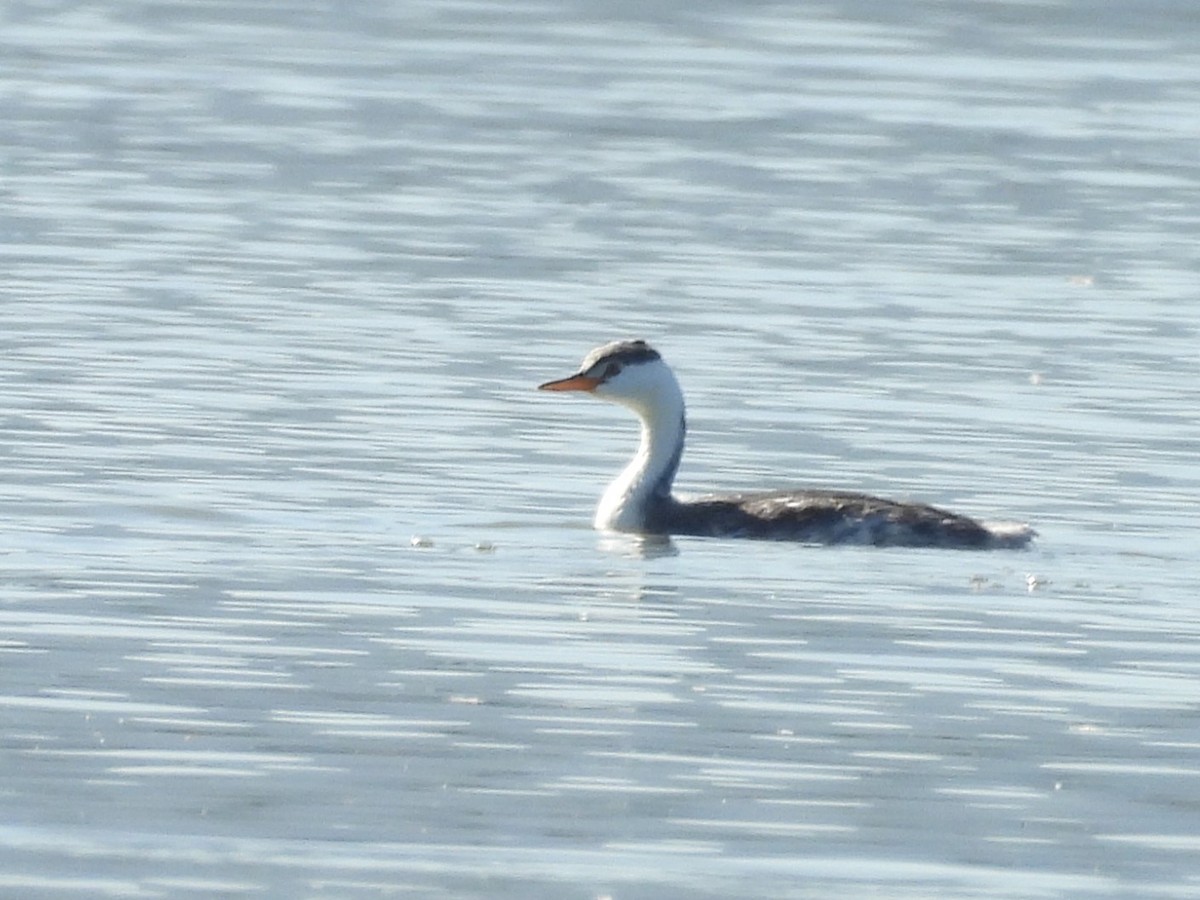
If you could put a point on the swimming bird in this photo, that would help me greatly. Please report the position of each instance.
(639, 500)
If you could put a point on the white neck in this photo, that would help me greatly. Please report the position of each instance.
(648, 477)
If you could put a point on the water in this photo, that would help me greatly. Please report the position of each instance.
(299, 595)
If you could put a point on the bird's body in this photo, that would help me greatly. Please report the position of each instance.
(640, 499)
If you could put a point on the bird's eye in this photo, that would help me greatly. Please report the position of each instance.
(613, 369)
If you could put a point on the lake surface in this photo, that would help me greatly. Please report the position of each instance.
(298, 591)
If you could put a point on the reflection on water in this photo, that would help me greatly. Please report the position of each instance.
(300, 596)
(636, 546)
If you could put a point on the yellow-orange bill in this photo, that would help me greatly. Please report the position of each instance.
(573, 383)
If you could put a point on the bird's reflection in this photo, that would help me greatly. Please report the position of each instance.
(637, 546)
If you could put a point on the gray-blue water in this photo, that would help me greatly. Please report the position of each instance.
(298, 591)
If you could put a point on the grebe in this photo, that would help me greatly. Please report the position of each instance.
(633, 374)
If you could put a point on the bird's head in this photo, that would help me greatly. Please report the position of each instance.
(627, 372)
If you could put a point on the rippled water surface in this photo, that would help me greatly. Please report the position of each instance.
(299, 595)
